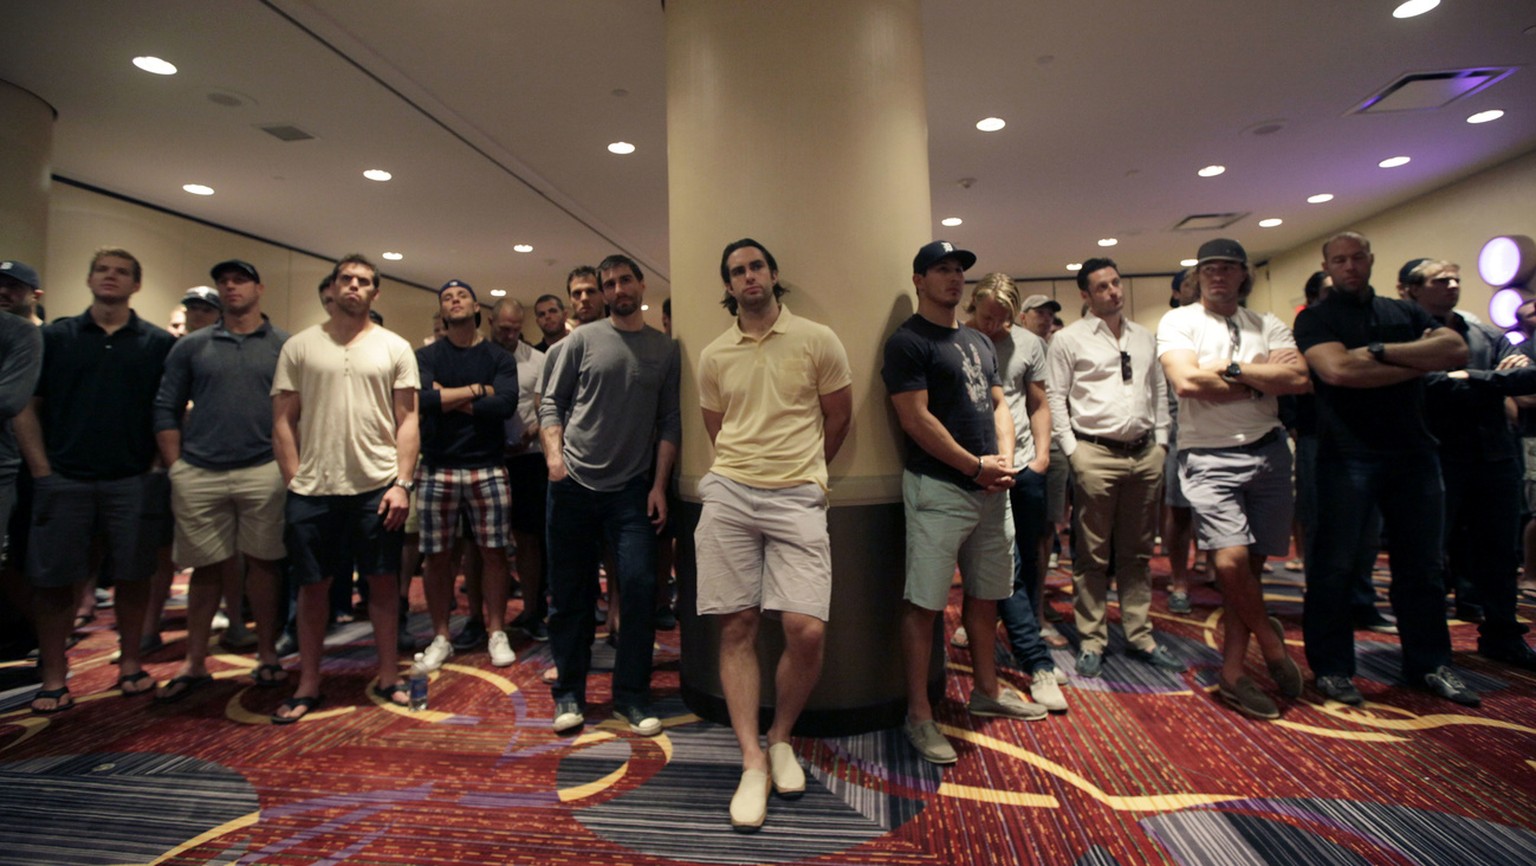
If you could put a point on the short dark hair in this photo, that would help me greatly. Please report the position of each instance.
(556, 298)
(666, 307)
(119, 253)
(1091, 265)
(325, 282)
(725, 272)
(1314, 286)
(356, 259)
(616, 260)
(578, 271)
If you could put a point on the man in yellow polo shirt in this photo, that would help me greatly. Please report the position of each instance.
(777, 398)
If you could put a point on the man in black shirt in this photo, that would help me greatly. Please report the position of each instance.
(1368, 356)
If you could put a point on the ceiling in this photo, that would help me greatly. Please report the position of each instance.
(494, 117)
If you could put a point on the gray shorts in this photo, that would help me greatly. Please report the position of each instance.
(67, 514)
(1241, 498)
(763, 548)
(948, 526)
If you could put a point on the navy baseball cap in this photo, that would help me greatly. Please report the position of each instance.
(932, 253)
(236, 265)
(21, 271)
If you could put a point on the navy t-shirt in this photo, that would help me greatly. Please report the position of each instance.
(454, 440)
(1366, 420)
(958, 369)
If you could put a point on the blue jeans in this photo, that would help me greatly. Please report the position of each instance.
(575, 518)
(1027, 496)
(1407, 489)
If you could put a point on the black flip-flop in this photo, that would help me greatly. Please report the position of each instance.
(57, 696)
(271, 677)
(135, 677)
(309, 704)
(180, 687)
(387, 693)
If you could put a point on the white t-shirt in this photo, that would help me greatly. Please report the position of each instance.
(346, 407)
(1204, 424)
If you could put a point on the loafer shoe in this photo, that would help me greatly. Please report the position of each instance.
(1158, 657)
(1178, 602)
(784, 767)
(639, 721)
(1008, 704)
(1090, 664)
(1338, 688)
(1513, 652)
(1046, 691)
(749, 805)
(1246, 697)
(437, 652)
(501, 650)
(929, 743)
(1444, 683)
(568, 716)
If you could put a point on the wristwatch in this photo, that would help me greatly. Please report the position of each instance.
(1378, 351)
(407, 486)
(1233, 371)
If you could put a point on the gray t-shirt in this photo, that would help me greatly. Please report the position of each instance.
(1020, 360)
(21, 357)
(615, 393)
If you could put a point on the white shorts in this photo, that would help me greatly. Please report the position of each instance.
(763, 548)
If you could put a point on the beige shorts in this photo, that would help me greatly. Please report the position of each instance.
(220, 513)
(761, 548)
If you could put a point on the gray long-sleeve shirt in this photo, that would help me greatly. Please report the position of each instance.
(228, 379)
(615, 393)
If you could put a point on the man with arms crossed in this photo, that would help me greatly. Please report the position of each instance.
(226, 490)
(526, 473)
(944, 383)
(612, 386)
(777, 398)
(1227, 364)
(346, 437)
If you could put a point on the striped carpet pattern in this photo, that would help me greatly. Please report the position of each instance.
(1146, 768)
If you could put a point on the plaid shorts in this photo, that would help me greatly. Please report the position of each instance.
(484, 493)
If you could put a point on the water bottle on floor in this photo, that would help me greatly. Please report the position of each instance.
(419, 683)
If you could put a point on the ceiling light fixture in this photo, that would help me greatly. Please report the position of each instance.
(1320, 198)
(393, 256)
(1485, 116)
(1393, 162)
(622, 148)
(498, 293)
(1108, 242)
(1270, 223)
(522, 248)
(951, 221)
(991, 124)
(1414, 8)
(377, 174)
(197, 189)
(1075, 266)
(1188, 263)
(155, 65)
(1211, 170)
(645, 308)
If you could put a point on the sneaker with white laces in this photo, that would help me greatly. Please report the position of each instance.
(1045, 691)
(1443, 682)
(501, 650)
(1008, 704)
(929, 742)
(437, 652)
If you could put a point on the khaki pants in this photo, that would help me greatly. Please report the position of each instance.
(1115, 493)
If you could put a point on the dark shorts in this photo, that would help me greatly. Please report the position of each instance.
(529, 477)
(68, 514)
(159, 523)
(327, 535)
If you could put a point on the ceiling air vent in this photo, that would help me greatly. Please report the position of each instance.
(284, 132)
(1205, 222)
(1423, 91)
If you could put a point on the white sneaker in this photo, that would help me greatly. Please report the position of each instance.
(1054, 561)
(1045, 692)
(437, 652)
(220, 621)
(501, 650)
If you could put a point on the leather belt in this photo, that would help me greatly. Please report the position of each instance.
(1131, 447)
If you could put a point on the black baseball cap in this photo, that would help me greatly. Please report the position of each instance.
(1222, 249)
(932, 253)
(234, 264)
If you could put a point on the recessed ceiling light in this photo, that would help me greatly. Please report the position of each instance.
(1320, 198)
(951, 221)
(1188, 263)
(197, 189)
(621, 148)
(377, 174)
(1485, 116)
(1414, 8)
(522, 248)
(155, 65)
(1075, 266)
(991, 124)
(393, 256)
(1393, 162)
(1211, 170)
(1270, 223)
(1108, 242)
(498, 293)
(645, 308)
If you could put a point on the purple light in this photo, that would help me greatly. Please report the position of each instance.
(1503, 305)
(1507, 260)
(1515, 338)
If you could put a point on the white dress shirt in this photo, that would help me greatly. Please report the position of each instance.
(1086, 391)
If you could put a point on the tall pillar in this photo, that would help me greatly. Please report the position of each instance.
(26, 156)
(801, 123)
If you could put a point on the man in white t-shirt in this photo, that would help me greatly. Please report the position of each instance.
(1227, 364)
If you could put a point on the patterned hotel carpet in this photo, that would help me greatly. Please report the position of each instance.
(1146, 768)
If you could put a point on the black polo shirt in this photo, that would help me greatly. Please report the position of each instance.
(1366, 420)
(98, 393)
